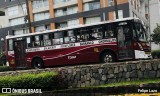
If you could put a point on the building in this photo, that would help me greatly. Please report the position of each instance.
(52, 14)
(154, 18)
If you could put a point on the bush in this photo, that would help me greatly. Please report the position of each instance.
(156, 54)
(5, 68)
(45, 81)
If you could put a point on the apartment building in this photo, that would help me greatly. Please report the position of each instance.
(53, 14)
(154, 18)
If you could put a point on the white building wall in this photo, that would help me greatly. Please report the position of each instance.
(4, 21)
(154, 19)
(154, 14)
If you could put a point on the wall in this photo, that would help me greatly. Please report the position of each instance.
(98, 74)
(4, 21)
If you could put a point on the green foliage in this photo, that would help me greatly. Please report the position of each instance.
(156, 54)
(156, 35)
(5, 68)
(136, 82)
(45, 81)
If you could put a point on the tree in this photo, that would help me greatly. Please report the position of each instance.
(156, 35)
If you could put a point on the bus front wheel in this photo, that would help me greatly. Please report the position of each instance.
(37, 63)
(108, 57)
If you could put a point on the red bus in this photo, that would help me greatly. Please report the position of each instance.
(109, 41)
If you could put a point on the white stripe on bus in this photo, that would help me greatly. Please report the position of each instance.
(77, 51)
(112, 40)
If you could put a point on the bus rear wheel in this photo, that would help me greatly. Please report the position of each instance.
(37, 63)
(108, 57)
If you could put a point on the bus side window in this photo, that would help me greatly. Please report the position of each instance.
(36, 42)
(29, 44)
(57, 38)
(109, 31)
(96, 33)
(10, 44)
(69, 36)
(82, 34)
(47, 39)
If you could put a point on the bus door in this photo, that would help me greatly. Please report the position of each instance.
(19, 50)
(124, 35)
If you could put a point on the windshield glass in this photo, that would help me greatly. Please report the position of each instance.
(140, 32)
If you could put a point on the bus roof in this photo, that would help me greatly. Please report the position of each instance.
(72, 27)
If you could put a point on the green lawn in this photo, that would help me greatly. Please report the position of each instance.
(138, 82)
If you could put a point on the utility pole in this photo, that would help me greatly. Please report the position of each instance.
(28, 17)
(116, 8)
(149, 17)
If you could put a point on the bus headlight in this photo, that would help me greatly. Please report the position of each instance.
(7, 63)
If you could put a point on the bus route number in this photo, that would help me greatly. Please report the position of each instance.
(71, 57)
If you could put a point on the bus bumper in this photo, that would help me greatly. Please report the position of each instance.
(142, 55)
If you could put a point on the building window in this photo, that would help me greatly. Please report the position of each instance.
(41, 16)
(92, 19)
(13, 11)
(40, 4)
(120, 14)
(110, 2)
(91, 6)
(17, 21)
(72, 10)
(60, 1)
(24, 9)
(73, 22)
(66, 11)
(21, 31)
(42, 28)
(61, 25)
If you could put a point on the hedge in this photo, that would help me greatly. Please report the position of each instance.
(5, 68)
(45, 81)
(156, 54)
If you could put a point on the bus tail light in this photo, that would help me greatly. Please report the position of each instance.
(12, 62)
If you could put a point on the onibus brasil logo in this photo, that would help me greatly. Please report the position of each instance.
(14, 90)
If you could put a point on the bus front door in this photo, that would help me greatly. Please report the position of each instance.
(19, 49)
(124, 42)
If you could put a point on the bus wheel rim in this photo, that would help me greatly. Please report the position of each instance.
(108, 58)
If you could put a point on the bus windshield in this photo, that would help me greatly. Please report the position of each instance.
(140, 32)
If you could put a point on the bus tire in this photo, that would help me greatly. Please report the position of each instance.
(108, 57)
(37, 63)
